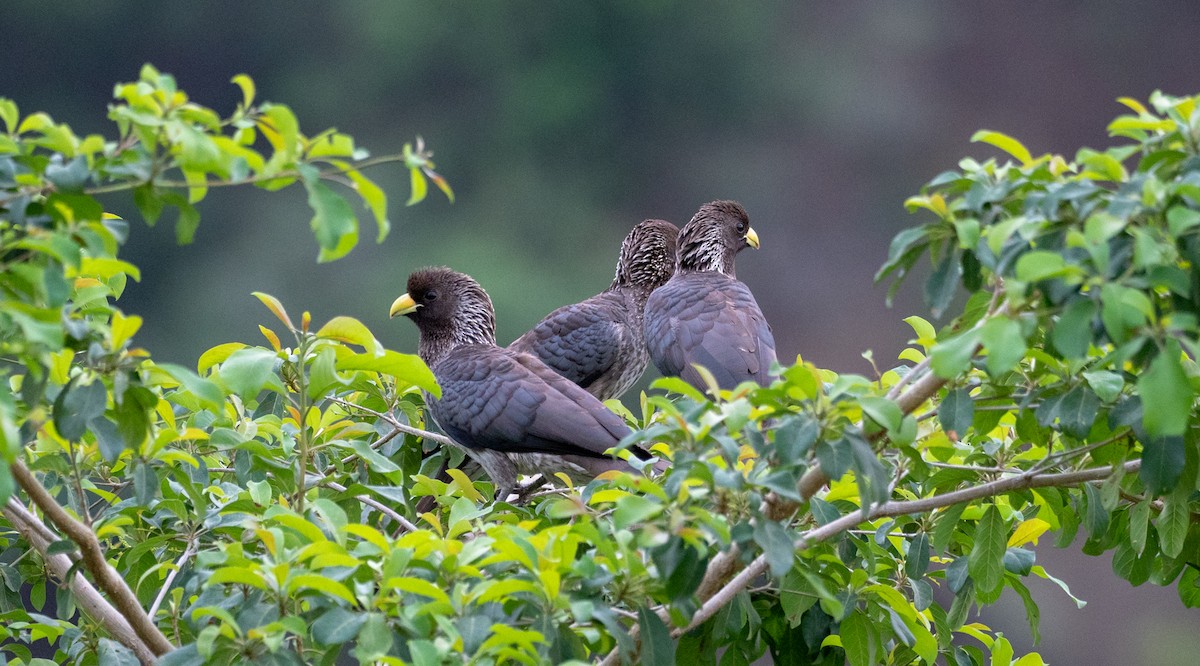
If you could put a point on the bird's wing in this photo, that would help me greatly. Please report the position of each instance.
(581, 342)
(716, 323)
(492, 399)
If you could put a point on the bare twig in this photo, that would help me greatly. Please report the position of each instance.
(162, 593)
(107, 578)
(395, 423)
(377, 505)
(89, 600)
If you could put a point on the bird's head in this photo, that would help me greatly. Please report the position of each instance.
(714, 236)
(647, 255)
(449, 309)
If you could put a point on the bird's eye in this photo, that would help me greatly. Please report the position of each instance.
(741, 227)
(431, 295)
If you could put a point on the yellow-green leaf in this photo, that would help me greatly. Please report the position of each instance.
(351, 330)
(419, 186)
(217, 355)
(404, 367)
(123, 328)
(246, 83)
(1004, 142)
(321, 584)
(275, 307)
(1028, 531)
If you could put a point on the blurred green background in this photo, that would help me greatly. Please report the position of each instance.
(560, 125)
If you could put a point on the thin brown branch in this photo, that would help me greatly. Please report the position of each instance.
(107, 578)
(89, 600)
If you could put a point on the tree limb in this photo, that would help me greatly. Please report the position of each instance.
(89, 600)
(833, 528)
(107, 578)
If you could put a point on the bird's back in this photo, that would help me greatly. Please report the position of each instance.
(510, 402)
(712, 320)
(596, 344)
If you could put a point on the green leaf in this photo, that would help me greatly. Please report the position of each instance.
(352, 331)
(337, 625)
(1181, 218)
(1166, 394)
(1005, 345)
(776, 544)
(8, 113)
(246, 83)
(916, 560)
(112, 653)
(333, 222)
(657, 647)
(207, 392)
(77, 404)
(1096, 518)
(633, 509)
(1041, 573)
(1040, 265)
(1077, 411)
(374, 638)
(419, 186)
(942, 284)
(1107, 385)
(372, 458)
(957, 411)
(1163, 459)
(950, 358)
(855, 631)
(1173, 522)
(404, 367)
(247, 371)
(986, 561)
(1005, 143)
(883, 411)
(8, 485)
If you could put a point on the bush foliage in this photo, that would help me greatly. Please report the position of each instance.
(260, 506)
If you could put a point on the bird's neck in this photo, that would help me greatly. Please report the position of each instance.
(706, 262)
(435, 345)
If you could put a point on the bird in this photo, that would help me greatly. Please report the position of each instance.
(508, 410)
(703, 315)
(599, 343)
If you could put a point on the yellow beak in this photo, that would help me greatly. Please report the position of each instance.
(752, 238)
(403, 305)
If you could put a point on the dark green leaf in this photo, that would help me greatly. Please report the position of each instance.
(1077, 411)
(957, 411)
(835, 457)
(1173, 522)
(1166, 394)
(77, 404)
(947, 523)
(986, 561)
(1019, 561)
(1162, 464)
(657, 647)
(145, 483)
(776, 544)
(1032, 612)
(855, 631)
(871, 475)
(796, 436)
(337, 625)
(943, 283)
(1095, 519)
(916, 560)
(112, 653)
